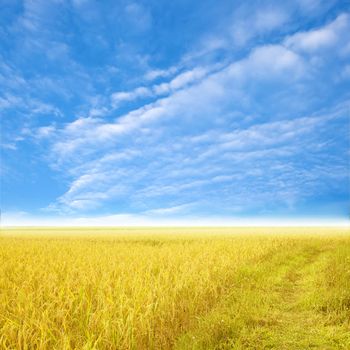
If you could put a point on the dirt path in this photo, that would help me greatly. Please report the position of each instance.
(273, 306)
(299, 324)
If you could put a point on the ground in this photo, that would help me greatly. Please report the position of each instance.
(205, 288)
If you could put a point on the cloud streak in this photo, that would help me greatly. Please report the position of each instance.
(269, 144)
(241, 123)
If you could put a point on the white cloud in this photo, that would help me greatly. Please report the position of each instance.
(98, 112)
(181, 80)
(269, 61)
(267, 141)
(38, 107)
(170, 210)
(9, 101)
(140, 92)
(92, 150)
(9, 146)
(323, 38)
(86, 134)
(88, 192)
(272, 133)
(160, 73)
(245, 24)
(246, 27)
(45, 131)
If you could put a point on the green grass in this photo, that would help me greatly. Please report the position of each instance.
(257, 288)
(300, 299)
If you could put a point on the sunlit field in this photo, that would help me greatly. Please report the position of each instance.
(242, 288)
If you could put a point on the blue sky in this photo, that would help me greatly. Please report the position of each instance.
(165, 112)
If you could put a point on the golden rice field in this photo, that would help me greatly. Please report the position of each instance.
(241, 288)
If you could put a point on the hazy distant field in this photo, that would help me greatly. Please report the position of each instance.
(175, 289)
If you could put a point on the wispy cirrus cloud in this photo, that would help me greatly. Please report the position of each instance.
(330, 36)
(239, 117)
(180, 81)
(170, 210)
(212, 88)
(269, 144)
(154, 74)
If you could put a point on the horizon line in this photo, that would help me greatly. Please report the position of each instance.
(318, 225)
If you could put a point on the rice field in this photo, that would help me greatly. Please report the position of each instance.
(175, 288)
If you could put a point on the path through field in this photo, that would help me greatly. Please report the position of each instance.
(290, 300)
(299, 327)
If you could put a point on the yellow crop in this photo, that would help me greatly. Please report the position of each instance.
(183, 288)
